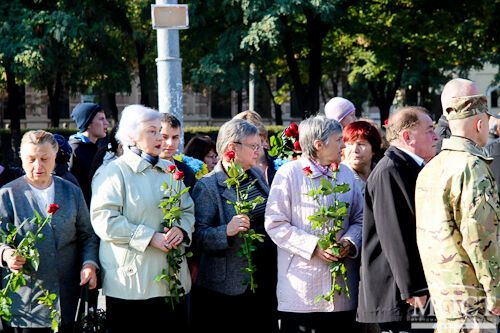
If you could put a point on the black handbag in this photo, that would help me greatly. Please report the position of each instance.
(88, 317)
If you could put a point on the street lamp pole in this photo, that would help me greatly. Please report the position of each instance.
(168, 18)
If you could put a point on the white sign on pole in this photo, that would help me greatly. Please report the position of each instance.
(170, 16)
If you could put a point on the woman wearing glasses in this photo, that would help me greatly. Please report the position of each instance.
(220, 290)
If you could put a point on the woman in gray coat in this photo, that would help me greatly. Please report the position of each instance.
(220, 288)
(68, 252)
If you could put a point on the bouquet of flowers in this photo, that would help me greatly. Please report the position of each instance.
(285, 146)
(26, 248)
(199, 167)
(170, 205)
(236, 176)
(329, 219)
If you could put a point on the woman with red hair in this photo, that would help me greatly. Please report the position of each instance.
(363, 148)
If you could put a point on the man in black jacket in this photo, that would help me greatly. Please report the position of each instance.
(171, 134)
(392, 278)
(93, 125)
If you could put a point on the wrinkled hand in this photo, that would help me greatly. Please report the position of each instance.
(158, 241)
(417, 301)
(345, 249)
(14, 262)
(173, 237)
(325, 255)
(496, 311)
(237, 224)
(88, 275)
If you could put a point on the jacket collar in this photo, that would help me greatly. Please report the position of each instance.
(137, 164)
(316, 172)
(395, 153)
(459, 143)
(221, 177)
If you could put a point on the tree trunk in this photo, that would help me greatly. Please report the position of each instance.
(293, 66)
(14, 104)
(54, 90)
(111, 101)
(278, 114)
(239, 97)
(140, 50)
(316, 33)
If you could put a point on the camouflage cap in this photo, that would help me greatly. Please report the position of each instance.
(468, 106)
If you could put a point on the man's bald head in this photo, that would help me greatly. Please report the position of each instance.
(457, 88)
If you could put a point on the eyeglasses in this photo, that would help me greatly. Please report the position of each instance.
(253, 147)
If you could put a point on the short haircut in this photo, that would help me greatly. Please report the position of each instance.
(38, 137)
(403, 119)
(253, 118)
(131, 121)
(199, 147)
(171, 120)
(316, 128)
(235, 130)
(363, 130)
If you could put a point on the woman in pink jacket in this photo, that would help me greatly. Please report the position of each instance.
(303, 267)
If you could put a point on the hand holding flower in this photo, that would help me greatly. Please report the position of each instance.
(173, 237)
(14, 261)
(239, 223)
(88, 275)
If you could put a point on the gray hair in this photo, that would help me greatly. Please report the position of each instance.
(38, 137)
(235, 130)
(132, 119)
(316, 128)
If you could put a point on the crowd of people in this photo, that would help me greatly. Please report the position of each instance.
(418, 222)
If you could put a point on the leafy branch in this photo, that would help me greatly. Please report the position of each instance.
(170, 206)
(236, 177)
(27, 248)
(330, 219)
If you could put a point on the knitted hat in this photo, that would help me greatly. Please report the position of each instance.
(84, 113)
(338, 108)
(65, 150)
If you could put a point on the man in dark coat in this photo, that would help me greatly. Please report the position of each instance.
(92, 123)
(171, 133)
(392, 278)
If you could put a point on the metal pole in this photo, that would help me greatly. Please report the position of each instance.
(251, 88)
(168, 65)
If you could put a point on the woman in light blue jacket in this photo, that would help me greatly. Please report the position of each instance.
(126, 216)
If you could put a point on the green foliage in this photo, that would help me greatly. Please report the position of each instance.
(329, 219)
(26, 248)
(236, 177)
(172, 213)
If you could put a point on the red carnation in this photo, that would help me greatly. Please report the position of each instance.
(334, 166)
(296, 146)
(53, 208)
(307, 171)
(294, 127)
(171, 168)
(229, 156)
(178, 175)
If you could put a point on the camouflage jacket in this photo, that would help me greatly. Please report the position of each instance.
(457, 211)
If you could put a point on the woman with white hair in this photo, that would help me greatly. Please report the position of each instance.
(220, 288)
(68, 252)
(126, 216)
(303, 267)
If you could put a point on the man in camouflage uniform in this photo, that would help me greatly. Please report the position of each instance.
(457, 211)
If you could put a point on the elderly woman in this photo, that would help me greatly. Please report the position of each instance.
(220, 288)
(68, 252)
(362, 149)
(303, 267)
(126, 216)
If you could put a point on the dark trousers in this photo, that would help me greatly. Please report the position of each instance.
(153, 314)
(216, 312)
(319, 322)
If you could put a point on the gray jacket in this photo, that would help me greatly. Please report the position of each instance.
(69, 242)
(220, 265)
